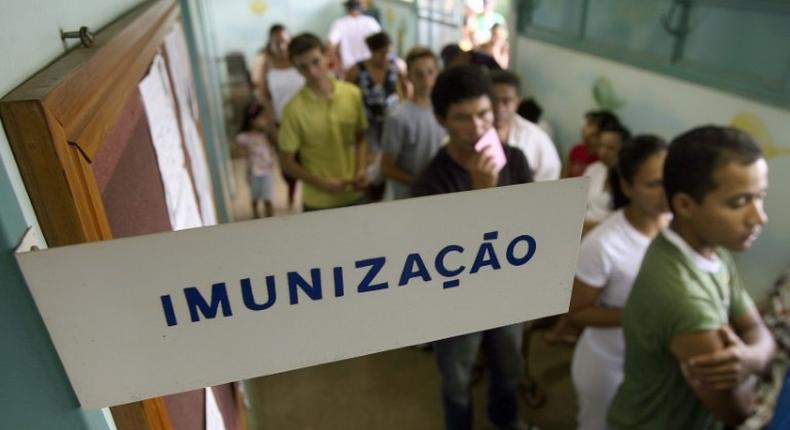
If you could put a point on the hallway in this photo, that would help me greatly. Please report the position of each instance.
(396, 389)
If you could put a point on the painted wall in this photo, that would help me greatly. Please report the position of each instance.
(562, 81)
(243, 25)
(34, 391)
(399, 20)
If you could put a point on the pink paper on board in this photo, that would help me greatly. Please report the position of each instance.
(490, 139)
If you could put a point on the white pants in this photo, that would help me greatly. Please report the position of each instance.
(596, 378)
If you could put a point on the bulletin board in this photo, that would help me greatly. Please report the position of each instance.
(109, 145)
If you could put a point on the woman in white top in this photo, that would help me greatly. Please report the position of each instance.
(279, 82)
(279, 78)
(599, 195)
(609, 261)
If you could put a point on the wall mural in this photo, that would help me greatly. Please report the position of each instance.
(756, 128)
(605, 95)
(258, 7)
(396, 19)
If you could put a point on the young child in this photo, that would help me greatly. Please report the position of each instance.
(585, 152)
(260, 162)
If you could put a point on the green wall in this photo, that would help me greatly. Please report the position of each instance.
(564, 80)
(235, 25)
(34, 391)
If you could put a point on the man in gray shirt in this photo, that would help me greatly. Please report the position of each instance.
(412, 135)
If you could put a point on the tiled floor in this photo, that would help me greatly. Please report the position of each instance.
(391, 390)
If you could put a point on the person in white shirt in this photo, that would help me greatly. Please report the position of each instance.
(277, 82)
(347, 36)
(542, 156)
(279, 79)
(609, 260)
(599, 195)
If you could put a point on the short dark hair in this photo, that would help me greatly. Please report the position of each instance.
(696, 154)
(506, 77)
(449, 52)
(419, 52)
(251, 111)
(275, 28)
(351, 5)
(458, 84)
(303, 43)
(530, 110)
(615, 127)
(601, 118)
(632, 155)
(378, 41)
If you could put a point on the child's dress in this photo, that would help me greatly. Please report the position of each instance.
(260, 163)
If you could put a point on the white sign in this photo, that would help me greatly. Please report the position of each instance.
(153, 315)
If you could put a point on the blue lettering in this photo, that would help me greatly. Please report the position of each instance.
(439, 262)
(295, 281)
(338, 272)
(375, 265)
(170, 314)
(443, 270)
(196, 302)
(451, 284)
(409, 271)
(486, 249)
(249, 297)
(531, 247)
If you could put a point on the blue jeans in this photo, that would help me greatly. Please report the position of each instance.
(456, 357)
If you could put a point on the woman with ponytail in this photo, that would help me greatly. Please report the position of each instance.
(609, 260)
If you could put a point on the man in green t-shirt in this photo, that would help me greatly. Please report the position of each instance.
(694, 340)
(325, 123)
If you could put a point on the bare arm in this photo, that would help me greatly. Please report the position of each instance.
(361, 148)
(503, 56)
(731, 406)
(748, 350)
(265, 97)
(334, 54)
(390, 169)
(566, 168)
(751, 328)
(352, 74)
(587, 226)
(263, 89)
(585, 311)
(404, 86)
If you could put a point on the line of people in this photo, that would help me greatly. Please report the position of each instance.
(671, 338)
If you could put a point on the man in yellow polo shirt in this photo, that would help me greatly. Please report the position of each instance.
(325, 123)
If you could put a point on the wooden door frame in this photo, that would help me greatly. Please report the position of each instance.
(58, 120)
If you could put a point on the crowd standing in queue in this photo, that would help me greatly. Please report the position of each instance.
(668, 337)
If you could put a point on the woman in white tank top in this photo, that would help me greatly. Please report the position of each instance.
(282, 84)
(609, 260)
(279, 79)
(279, 82)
